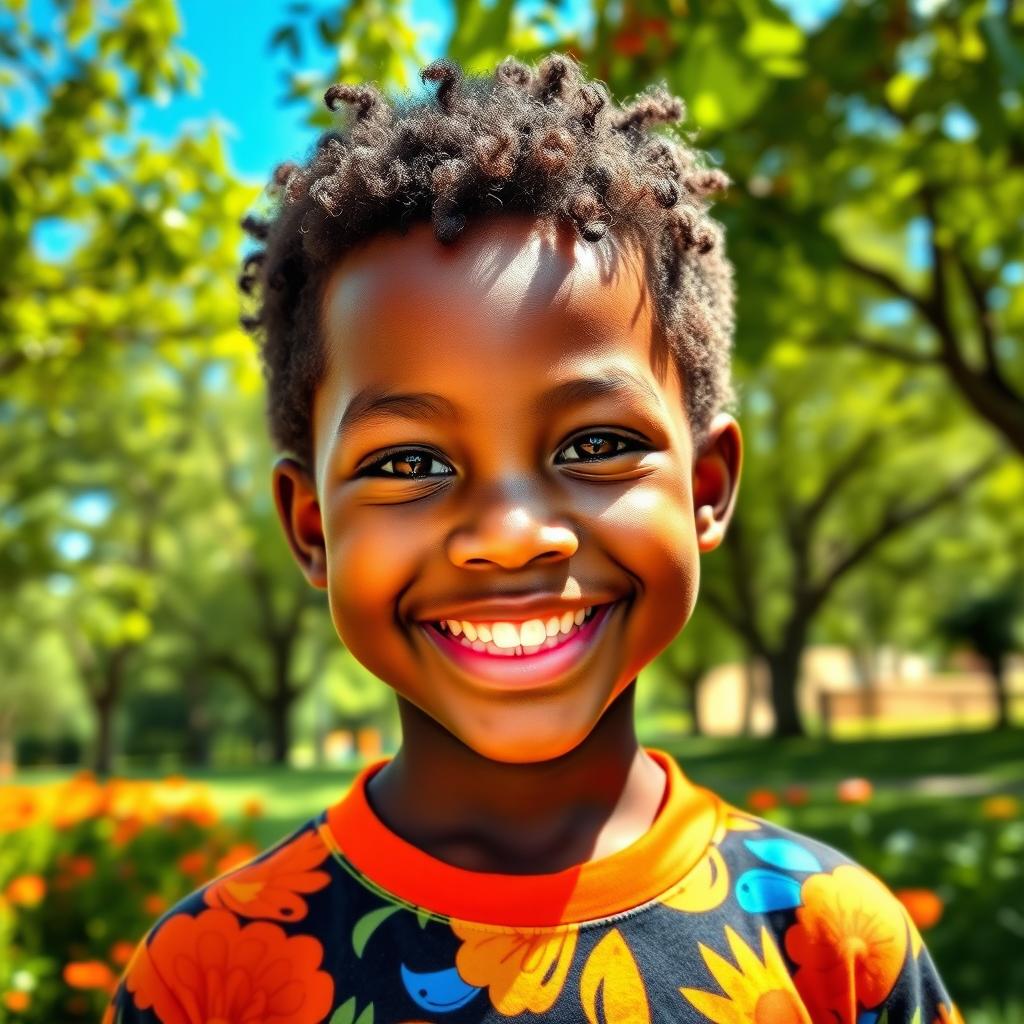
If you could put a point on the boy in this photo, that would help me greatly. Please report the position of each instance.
(495, 326)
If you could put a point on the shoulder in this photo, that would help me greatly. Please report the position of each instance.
(846, 938)
(775, 868)
(258, 914)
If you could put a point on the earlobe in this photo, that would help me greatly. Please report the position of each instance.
(298, 508)
(716, 478)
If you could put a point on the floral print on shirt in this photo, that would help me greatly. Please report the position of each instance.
(769, 927)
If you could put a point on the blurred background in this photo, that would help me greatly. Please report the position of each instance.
(173, 697)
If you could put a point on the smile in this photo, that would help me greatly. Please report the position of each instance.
(511, 662)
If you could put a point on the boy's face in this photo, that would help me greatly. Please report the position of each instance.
(483, 493)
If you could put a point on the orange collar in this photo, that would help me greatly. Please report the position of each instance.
(673, 844)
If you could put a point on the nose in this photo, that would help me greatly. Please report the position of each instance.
(511, 531)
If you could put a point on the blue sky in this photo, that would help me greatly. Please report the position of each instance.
(242, 81)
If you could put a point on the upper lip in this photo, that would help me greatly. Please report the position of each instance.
(509, 609)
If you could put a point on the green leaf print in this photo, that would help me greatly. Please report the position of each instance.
(366, 1017)
(345, 1013)
(365, 927)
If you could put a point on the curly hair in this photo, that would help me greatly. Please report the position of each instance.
(542, 140)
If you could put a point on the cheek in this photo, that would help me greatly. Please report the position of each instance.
(651, 528)
(651, 533)
(368, 566)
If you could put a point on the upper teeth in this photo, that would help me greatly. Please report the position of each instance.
(510, 634)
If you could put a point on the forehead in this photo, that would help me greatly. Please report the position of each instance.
(514, 304)
(512, 267)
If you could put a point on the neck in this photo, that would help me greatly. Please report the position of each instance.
(486, 815)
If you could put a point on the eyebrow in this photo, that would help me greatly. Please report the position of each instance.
(376, 401)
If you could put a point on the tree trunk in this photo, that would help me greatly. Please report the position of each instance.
(784, 672)
(997, 664)
(278, 710)
(105, 699)
(197, 736)
(750, 693)
(103, 755)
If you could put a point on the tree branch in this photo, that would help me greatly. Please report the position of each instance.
(843, 469)
(894, 520)
(903, 355)
(728, 615)
(889, 283)
(237, 669)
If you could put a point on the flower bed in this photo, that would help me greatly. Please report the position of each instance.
(85, 869)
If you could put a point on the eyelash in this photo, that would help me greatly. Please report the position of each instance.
(579, 438)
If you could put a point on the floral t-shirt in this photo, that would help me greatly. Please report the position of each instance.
(712, 915)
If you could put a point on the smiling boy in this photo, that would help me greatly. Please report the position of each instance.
(496, 327)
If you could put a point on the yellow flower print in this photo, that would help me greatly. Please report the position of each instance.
(758, 990)
(704, 888)
(522, 968)
(611, 987)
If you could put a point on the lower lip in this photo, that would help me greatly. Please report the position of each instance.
(523, 671)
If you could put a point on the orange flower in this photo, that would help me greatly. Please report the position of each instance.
(796, 796)
(26, 890)
(923, 905)
(522, 968)
(192, 863)
(854, 791)
(90, 974)
(849, 941)
(125, 831)
(253, 808)
(224, 971)
(202, 814)
(16, 1001)
(1000, 806)
(81, 867)
(237, 855)
(121, 952)
(762, 800)
(20, 807)
(80, 799)
(271, 887)
(154, 904)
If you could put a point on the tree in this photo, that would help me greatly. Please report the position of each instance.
(94, 326)
(832, 472)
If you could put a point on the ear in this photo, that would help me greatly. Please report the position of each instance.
(716, 479)
(299, 511)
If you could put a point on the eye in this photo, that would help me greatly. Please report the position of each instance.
(407, 464)
(597, 445)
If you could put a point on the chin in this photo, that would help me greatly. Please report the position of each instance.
(527, 745)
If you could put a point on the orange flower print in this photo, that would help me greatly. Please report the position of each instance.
(758, 990)
(950, 1016)
(217, 969)
(271, 887)
(522, 968)
(849, 940)
(611, 986)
